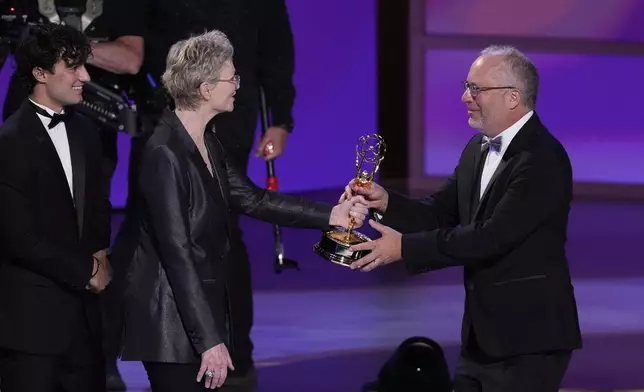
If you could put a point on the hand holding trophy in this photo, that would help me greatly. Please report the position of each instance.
(335, 243)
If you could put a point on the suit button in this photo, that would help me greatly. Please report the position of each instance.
(470, 286)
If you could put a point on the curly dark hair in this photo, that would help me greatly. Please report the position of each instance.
(46, 45)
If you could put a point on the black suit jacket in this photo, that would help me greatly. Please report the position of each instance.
(519, 296)
(47, 238)
(177, 249)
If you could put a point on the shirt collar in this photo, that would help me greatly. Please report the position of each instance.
(509, 134)
(48, 110)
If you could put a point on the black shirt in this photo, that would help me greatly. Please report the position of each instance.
(259, 31)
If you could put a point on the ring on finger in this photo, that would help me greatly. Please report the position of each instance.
(209, 373)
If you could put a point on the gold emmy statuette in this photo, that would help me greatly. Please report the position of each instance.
(335, 243)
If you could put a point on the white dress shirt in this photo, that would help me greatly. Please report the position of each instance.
(58, 135)
(494, 157)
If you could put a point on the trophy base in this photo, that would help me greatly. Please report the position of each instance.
(334, 246)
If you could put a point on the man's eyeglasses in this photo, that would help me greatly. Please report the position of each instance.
(475, 90)
(235, 79)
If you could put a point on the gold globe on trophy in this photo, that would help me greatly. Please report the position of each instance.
(335, 243)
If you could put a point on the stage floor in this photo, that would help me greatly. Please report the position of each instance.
(342, 324)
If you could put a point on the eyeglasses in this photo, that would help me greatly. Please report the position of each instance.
(235, 79)
(475, 90)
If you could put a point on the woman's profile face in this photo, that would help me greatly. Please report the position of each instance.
(222, 97)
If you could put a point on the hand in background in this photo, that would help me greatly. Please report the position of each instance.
(375, 195)
(355, 207)
(272, 144)
(215, 363)
(102, 272)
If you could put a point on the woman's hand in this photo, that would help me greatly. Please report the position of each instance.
(215, 363)
(355, 207)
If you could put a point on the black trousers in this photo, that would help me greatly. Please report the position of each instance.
(241, 304)
(80, 369)
(181, 377)
(478, 372)
(174, 377)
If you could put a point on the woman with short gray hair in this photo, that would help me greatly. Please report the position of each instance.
(194, 61)
(176, 291)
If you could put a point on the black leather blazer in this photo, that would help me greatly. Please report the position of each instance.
(175, 244)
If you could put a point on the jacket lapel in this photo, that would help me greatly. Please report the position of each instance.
(483, 198)
(215, 150)
(517, 144)
(77, 153)
(214, 191)
(467, 198)
(50, 157)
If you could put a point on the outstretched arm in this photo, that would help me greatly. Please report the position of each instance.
(409, 215)
(537, 190)
(282, 209)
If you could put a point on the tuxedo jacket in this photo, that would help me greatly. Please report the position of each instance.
(47, 238)
(511, 243)
(173, 253)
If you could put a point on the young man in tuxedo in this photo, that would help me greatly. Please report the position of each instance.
(503, 216)
(54, 226)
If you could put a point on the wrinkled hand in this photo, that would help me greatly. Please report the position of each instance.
(376, 196)
(355, 207)
(384, 250)
(272, 144)
(215, 363)
(102, 271)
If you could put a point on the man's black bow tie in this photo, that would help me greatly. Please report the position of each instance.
(55, 119)
(495, 143)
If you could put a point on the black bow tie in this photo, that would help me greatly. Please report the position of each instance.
(55, 119)
(495, 143)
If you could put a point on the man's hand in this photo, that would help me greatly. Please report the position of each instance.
(102, 272)
(384, 250)
(355, 207)
(121, 56)
(376, 196)
(272, 144)
(215, 363)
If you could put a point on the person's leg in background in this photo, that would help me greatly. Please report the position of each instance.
(242, 312)
(112, 305)
(112, 327)
(111, 311)
(236, 131)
